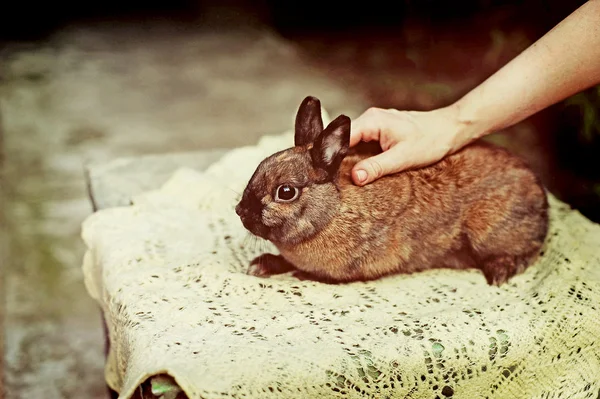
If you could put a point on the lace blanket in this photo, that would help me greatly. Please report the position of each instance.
(169, 274)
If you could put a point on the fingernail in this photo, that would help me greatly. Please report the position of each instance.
(361, 175)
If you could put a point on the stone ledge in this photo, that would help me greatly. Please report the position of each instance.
(113, 184)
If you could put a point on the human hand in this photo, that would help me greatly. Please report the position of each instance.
(409, 139)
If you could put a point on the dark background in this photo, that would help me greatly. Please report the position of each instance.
(300, 14)
(33, 20)
(321, 27)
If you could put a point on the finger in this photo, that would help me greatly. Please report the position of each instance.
(366, 127)
(370, 169)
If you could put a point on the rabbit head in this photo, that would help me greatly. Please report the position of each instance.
(292, 194)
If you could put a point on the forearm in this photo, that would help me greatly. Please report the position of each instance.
(563, 62)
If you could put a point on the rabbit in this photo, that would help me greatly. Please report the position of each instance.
(481, 208)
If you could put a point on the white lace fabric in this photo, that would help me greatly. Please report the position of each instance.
(169, 274)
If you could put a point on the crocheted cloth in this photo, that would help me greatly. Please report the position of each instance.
(169, 274)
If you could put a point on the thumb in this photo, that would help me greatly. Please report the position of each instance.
(370, 169)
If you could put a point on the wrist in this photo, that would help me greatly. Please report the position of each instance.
(467, 123)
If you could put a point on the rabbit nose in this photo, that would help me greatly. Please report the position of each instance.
(238, 210)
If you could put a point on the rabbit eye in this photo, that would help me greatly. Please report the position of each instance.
(286, 193)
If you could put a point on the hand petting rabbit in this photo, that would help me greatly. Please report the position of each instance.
(481, 207)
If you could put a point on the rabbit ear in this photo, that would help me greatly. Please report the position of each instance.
(309, 123)
(332, 145)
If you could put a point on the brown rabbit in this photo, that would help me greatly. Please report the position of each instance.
(478, 208)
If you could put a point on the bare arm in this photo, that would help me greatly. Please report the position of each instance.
(563, 62)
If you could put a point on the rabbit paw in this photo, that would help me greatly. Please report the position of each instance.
(267, 265)
(498, 270)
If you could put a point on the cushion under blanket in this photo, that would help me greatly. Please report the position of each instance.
(169, 274)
